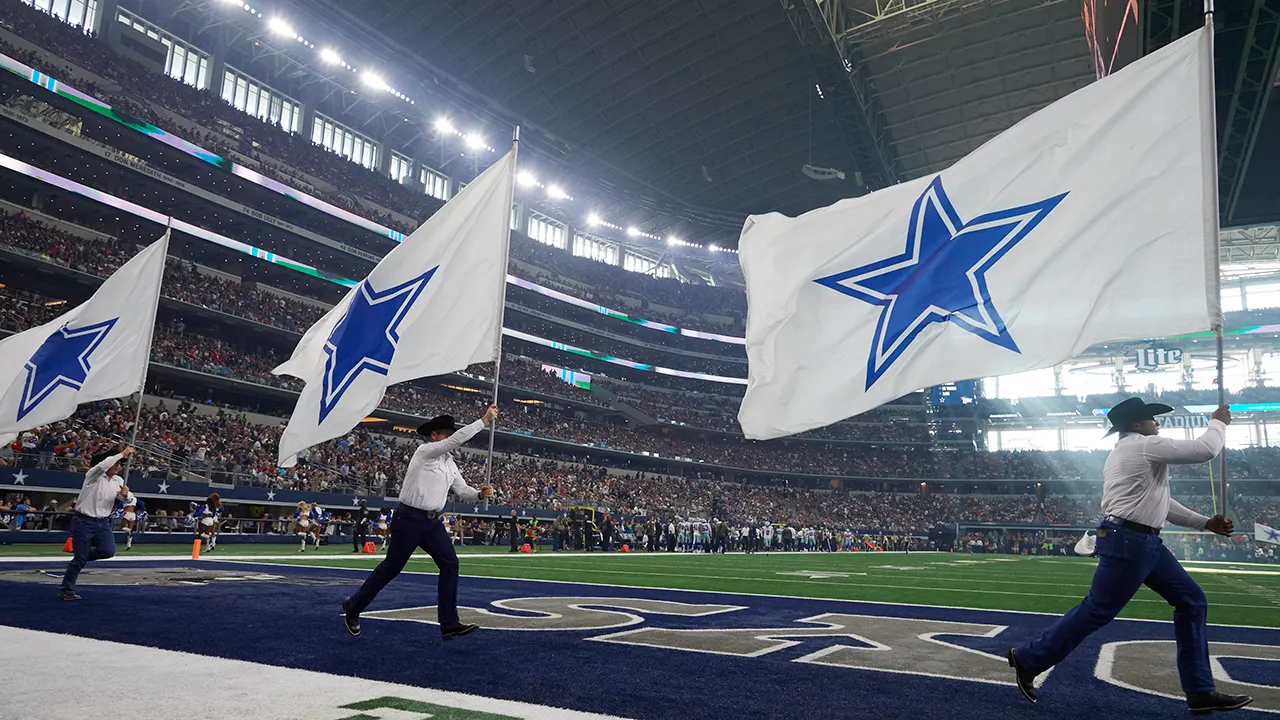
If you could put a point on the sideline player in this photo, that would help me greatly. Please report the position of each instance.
(431, 475)
(1135, 505)
(91, 536)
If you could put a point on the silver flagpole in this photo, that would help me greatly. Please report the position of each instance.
(151, 333)
(502, 310)
(1217, 242)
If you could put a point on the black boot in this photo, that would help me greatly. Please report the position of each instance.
(1205, 703)
(351, 619)
(1024, 677)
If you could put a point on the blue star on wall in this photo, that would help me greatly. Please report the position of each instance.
(62, 360)
(366, 337)
(940, 277)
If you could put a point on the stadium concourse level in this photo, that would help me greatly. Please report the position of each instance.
(174, 436)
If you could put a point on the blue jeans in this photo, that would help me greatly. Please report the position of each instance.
(409, 532)
(1127, 560)
(91, 539)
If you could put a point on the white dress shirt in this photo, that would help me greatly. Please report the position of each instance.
(432, 472)
(1135, 480)
(98, 496)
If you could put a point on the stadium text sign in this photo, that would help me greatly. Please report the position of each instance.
(1155, 358)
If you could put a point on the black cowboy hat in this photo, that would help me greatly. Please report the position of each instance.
(99, 457)
(439, 422)
(1123, 416)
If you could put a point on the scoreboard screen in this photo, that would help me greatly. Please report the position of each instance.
(963, 392)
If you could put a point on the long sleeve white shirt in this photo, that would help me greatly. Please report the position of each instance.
(99, 494)
(1136, 477)
(432, 472)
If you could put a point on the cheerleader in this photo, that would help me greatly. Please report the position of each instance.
(302, 523)
(382, 526)
(132, 513)
(207, 516)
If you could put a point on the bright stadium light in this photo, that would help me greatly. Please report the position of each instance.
(593, 219)
(673, 240)
(330, 56)
(375, 81)
(633, 231)
(712, 247)
(475, 141)
(526, 178)
(280, 27)
(444, 127)
(557, 192)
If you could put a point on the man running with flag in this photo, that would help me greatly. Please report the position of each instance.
(1135, 505)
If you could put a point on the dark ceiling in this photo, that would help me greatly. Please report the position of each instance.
(711, 105)
(708, 102)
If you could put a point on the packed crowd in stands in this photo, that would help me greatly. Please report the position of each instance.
(227, 446)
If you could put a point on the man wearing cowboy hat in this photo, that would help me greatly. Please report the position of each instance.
(432, 474)
(91, 535)
(1135, 505)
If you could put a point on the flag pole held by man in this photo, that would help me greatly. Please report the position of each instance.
(95, 351)
(1089, 221)
(431, 306)
(1093, 220)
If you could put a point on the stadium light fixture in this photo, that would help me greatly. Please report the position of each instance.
(673, 240)
(330, 56)
(633, 231)
(279, 27)
(444, 127)
(475, 141)
(557, 192)
(593, 219)
(375, 81)
(713, 247)
(526, 178)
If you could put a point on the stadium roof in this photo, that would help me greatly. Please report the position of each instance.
(716, 104)
(705, 110)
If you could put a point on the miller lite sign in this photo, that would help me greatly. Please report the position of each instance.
(1155, 358)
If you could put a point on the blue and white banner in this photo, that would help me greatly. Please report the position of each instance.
(95, 351)
(1090, 221)
(1265, 534)
(431, 307)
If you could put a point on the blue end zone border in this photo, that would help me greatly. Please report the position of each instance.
(296, 623)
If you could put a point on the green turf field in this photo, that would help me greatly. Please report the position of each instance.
(1239, 594)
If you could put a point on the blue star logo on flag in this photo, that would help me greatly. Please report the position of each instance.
(62, 360)
(940, 276)
(1273, 535)
(367, 336)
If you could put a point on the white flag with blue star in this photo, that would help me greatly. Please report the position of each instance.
(1091, 220)
(1265, 534)
(95, 351)
(430, 307)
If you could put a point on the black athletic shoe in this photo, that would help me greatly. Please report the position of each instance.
(351, 619)
(456, 630)
(68, 595)
(1024, 678)
(1205, 703)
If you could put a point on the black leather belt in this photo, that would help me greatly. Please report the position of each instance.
(88, 516)
(1131, 525)
(428, 514)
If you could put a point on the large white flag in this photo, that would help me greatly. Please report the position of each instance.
(95, 351)
(1264, 534)
(1091, 220)
(430, 307)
